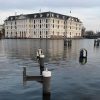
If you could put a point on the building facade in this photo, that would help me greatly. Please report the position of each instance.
(42, 25)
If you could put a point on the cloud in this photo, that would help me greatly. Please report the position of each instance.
(86, 10)
(29, 4)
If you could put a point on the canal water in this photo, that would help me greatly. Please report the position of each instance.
(71, 80)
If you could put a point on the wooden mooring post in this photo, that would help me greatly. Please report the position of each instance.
(67, 42)
(44, 77)
(83, 56)
(83, 53)
(96, 43)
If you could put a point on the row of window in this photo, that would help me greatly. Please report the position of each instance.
(46, 20)
(34, 21)
(35, 26)
(75, 28)
(37, 21)
(42, 15)
(40, 32)
(77, 25)
(23, 34)
(77, 34)
(43, 26)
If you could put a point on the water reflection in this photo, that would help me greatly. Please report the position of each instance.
(66, 52)
(82, 60)
(46, 96)
(45, 82)
(53, 49)
(67, 76)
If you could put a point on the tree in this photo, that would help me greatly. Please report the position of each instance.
(83, 31)
(2, 33)
(98, 34)
(89, 33)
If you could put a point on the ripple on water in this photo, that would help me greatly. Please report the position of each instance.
(70, 80)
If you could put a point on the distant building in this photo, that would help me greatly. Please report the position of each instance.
(42, 25)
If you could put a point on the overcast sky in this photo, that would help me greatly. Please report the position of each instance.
(88, 11)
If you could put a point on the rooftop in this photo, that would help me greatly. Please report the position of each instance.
(42, 15)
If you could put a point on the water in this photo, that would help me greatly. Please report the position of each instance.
(70, 80)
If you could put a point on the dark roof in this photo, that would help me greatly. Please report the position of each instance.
(43, 15)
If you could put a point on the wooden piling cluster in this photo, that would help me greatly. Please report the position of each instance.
(68, 42)
(96, 42)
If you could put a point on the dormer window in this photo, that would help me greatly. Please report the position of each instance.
(72, 19)
(34, 16)
(69, 18)
(52, 15)
(57, 16)
(47, 15)
(15, 17)
(41, 15)
(63, 17)
(11, 18)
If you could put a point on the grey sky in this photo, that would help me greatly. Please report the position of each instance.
(85, 10)
(29, 4)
